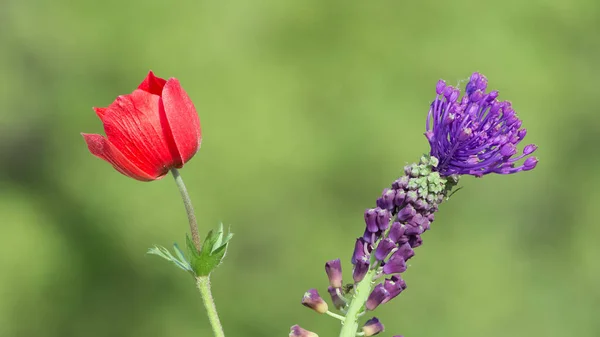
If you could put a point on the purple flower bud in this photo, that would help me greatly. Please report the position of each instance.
(384, 248)
(360, 269)
(454, 95)
(530, 163)
(371, 237)
(492, 95)
(448, 91)
(415, 241)
(386, 201)
(406, 213)
(338, 302)
(313, 300)
(359, 250)
(394, 286)
(406, 251)
(371, 220)
(508, 150)
(395, 265)
(297, 331)
(403, 239)
(372, 327)
(421, 204)
(417, 225)
(476, 96)
(529, 149)
(383, 219)
(413, 230)
(440, 86)
(411, 196)
(399, 198)
(396, 231)
(376, 297)
(333, 269)
(401, 183)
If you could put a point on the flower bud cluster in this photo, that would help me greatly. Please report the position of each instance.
(394, 228)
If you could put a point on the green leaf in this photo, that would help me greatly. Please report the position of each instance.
(180, 261)
(191, 247)
(211, 253)
(178, 252)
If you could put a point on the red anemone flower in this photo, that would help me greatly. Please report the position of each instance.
(148, 132)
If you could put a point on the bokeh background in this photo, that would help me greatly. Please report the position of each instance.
(309, 109)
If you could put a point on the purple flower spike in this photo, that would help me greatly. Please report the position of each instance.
(384, 248)
(297, 331)
(338, 302)
(371, 220)
(313, 300)
(360, 269)
(395, 265)
(376, 297)
(372, 327)
(333, 269)
(476, 135)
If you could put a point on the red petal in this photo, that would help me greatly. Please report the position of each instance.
(134, 126)
(183, 119)
(103, 149)
(152, 84)
(100, 112)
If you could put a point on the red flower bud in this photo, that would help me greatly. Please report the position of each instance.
(148, 132)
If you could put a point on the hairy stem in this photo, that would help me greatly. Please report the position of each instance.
(187, 202)
(203, 283)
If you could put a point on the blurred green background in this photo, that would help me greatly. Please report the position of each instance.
(309, 109)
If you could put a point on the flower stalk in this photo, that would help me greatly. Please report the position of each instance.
(189, 209)
(203, 281)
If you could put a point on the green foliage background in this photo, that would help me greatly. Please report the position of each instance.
(309, 109)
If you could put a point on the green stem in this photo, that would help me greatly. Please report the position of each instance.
(361, 294)
(203, 283)
(334, 315)
(187, 202)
